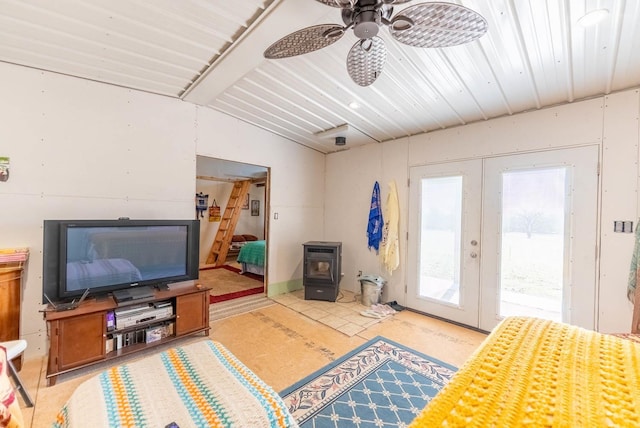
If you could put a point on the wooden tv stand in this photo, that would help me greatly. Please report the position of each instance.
(78, 338)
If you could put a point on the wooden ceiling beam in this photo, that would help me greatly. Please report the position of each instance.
(232, 180)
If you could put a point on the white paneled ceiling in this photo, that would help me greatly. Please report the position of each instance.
(159, 46)
(209, 52)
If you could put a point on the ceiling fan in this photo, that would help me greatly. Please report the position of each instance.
(425, 25)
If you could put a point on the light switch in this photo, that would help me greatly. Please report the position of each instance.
(621, 226)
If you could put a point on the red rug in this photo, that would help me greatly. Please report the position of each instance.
(236, 294)
(247, 274)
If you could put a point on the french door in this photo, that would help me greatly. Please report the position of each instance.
(508, 235)
(444, 240)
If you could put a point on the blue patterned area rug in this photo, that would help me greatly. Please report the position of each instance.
(380, 384)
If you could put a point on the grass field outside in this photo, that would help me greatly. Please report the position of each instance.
(530, 266)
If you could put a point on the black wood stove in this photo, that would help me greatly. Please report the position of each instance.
(322, 270)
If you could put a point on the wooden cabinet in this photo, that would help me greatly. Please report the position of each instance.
(78, 338)
(10, 285)
(192, 310)
(10, 297)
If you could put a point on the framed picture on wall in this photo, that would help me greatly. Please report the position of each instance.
(245, 204)
(255, 208)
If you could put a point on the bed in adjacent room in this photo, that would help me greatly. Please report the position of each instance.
(251, 257)
(201, 384)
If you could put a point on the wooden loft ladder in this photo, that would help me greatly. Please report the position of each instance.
(220, 247)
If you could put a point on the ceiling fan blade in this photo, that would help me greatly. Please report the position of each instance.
(339, 3)
(304, 41)
(437, 25)
(366, 59)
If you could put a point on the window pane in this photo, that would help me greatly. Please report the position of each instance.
(441, 238)
(533, 242)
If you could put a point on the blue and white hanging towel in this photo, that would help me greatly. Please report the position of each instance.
(374, 228)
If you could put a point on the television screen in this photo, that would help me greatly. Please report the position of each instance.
(107, 255)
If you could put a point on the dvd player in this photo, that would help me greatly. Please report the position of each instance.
(128, 318)
(133, 294)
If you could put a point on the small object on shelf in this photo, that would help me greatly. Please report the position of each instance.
(109, 345)
(111, 321)
(156, 333)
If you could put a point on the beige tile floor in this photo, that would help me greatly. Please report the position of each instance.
(343, 315)
(281, 346)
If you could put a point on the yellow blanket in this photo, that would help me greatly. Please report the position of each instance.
(538, 373)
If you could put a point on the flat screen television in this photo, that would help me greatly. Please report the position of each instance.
(109, 255)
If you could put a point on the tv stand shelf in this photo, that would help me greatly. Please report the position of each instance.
(142, 325)
(78, 337)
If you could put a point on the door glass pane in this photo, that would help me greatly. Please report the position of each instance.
(532, 257)
(441, 230)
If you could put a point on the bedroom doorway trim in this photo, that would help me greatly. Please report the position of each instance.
(216, 177)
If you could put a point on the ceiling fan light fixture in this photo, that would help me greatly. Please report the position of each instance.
(366, 24)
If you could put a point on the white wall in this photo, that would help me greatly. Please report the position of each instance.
(610, 122)
(247, 223)
(85, 150)
(296, 181)
(81, 149)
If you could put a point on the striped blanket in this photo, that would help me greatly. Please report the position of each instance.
(198, 385)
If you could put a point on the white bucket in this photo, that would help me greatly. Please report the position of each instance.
(370, 292)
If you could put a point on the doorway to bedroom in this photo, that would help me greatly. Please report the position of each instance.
(240, 243)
